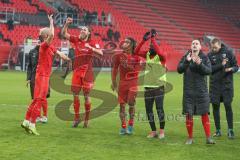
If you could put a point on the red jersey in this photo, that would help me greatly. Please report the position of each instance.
(129, 67)
(45, 59)
(83, 56)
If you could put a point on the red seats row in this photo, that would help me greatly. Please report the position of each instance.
(23, 6)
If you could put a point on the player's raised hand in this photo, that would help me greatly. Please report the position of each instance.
(146, 36)
(69, 20)
(153, 33)
(50, 18)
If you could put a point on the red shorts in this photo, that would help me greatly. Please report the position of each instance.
(80, 82)
(41, 86)
(127, 93)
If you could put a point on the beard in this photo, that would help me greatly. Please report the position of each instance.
(214, 51)
(127, 49)
(83, 36)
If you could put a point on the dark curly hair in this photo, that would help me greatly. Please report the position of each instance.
(133, 43)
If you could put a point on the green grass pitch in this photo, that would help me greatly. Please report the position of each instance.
(101, 140)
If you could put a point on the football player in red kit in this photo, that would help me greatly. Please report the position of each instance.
(82, 78)
(44, 67)
(129, 66)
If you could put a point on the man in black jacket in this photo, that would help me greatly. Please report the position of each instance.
(224, 64)
(31, 72)
(195, 66)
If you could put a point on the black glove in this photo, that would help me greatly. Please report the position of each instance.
(146, 36)
(153, 32)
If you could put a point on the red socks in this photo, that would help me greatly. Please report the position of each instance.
(205, 123)
(123, 116)
(189, 125)
(130, 122)
(77, 109)
(131, 116)
(45, 107)
(36, 110)
(87, 111)
(124, 124)
(76, 106)
(30, 109)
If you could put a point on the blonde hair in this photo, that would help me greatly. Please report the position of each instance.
(44, 31)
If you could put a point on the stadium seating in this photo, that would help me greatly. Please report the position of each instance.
(4, 52)
(146, 17)
(124, 24)
(21, 32)
(25, 7)
(196, 19)
(177, 22)
(42, 6)
(227, 9)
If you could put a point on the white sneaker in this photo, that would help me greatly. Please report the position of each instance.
(161, 134)
(152, 134)
(33, 130)
(43, 119)
(25, 125)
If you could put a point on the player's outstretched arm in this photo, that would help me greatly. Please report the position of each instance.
(95, 50)
(51, 32)
(65, 34)
(63, 56)
(139, 46)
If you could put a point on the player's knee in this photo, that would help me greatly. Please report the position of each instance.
(131, 103)
(87, 99)
(75, 90)
(75, 96)
(122, 107)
